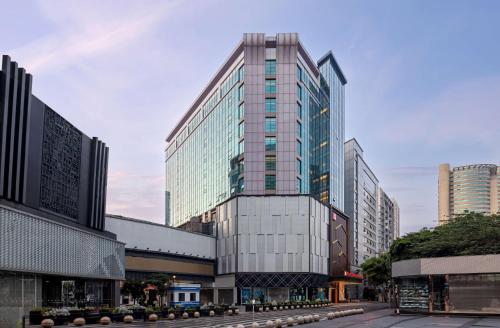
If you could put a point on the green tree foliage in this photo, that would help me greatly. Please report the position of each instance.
(468, 234)
(377, 270)
(134, 288)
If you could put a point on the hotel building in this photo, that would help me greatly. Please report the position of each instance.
(472, 188)
(260, 154)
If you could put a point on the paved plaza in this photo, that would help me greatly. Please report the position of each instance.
(386, 319)
(375, 316)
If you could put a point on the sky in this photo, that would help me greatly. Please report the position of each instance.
(423, 80)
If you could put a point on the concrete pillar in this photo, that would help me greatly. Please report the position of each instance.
(216, 295)
(444, 193)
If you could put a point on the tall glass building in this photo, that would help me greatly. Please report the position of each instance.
(270, 122)
(472, 188)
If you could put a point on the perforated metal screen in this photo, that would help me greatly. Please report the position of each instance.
(32, 244)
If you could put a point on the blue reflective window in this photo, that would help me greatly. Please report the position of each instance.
(270, 67)
(299, 167)
(270, 182)
(270, 124)
(299, 91)
(299, 148)
(241, 147)
(299, 185)
(270, 105)
(299, 73)
(299, 129)
(241, 129)
(241, 185)
(270, 163)
(299, 110)
(241, 111)
(241, 73)
(270, 143)
(270, 86)
(241, 93)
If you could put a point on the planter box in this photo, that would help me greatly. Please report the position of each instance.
(92, 318)
(73, 314)
(60, 321)
(139, 314)
(36, 318)
(117, 317)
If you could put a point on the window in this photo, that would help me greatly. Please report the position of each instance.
(270, 105)
(299, 148)
(241, 93)
(299, 110)
(299, 185)
(270, 86)
(241, 111)
(299, 73)
(241, 166)
(299, 92)
(270, 143)
(241, 73)
(192, 297)
(270, 124)
(270, 163)
(270, 182)
(241, 185)
(182, 297)
(299, 166)
(299, 129)
(241, 129)
(270, 67)
(241, 147)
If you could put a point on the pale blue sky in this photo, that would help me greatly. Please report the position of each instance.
(423, 79)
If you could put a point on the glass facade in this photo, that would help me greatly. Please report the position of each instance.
(471, 189)
(203, 162)
(285, 112)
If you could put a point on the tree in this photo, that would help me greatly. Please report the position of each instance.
(467, 234)
(377, 270)
(133, 288)
(161, 281)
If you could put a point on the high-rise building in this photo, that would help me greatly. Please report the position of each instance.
(385, 221)
(361, 188)
(397, 222)
(471, 188)
(270, 122)
(260, 154)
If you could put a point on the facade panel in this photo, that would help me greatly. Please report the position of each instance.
(32, 244)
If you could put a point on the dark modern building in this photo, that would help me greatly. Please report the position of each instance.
(53, 247)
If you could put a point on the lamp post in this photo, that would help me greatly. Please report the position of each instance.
(253, 309)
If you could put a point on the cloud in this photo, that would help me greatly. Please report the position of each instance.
(80, 33)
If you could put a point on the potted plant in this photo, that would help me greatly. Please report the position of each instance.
(36, 315)
(149, 310)
(138, 311)
(60, 316)
(91, 315)
(74, 313)
(204, 310)
(105, 311)
(179, 310)
(119, 313)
